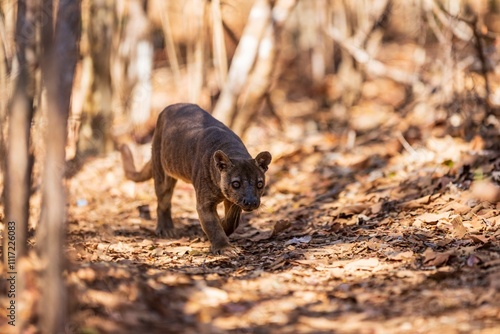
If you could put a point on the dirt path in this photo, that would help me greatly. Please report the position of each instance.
(376, 240)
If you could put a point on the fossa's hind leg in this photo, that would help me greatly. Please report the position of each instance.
(164, 188)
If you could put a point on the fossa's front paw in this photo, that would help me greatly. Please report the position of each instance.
(226, 250)
(164, 232)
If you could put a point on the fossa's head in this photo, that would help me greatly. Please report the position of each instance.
(242, 181)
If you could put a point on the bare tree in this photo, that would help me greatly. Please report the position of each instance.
(60, 59)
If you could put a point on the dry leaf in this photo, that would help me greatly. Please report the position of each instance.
(259, 236)
(408, 255)
(157, 252)
(280, 226)
(457, 208)
(479, 238)
(459, 229)
(416, 203)
(375, 244)
(475, 224)
(350, 210)
(180, 250)
(376, 208)
(435, 259)
(443, 242)
(430, 218)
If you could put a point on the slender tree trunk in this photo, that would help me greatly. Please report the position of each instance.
(219, 45)
(7, 24)
(94, 134)
(259, 82)
(170, 46)
(3, 105)
(262, 74)
(19, 156)
(140, 63)
(253, 63)
(60, 60)
(195, 24)
(243, 61)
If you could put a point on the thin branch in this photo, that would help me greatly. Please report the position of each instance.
(440, 12)
(373, 66)
(405, 144)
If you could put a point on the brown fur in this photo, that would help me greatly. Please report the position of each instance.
(189, 144)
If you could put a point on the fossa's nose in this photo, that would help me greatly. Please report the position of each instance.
(250, 203)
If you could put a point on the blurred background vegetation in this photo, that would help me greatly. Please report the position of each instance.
(331, 64)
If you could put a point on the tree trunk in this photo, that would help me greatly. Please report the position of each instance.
(255, 55)
(19, 156)
(94, 135)
(262, 73)
(243, 61)
(140, 63)
(218, 43)
(259, 82)
(4, 67)
(60, 60)
(4, 93)
(195, 23)
(170, 46)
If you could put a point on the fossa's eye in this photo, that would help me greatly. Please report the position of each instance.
(235, 184)
(260, 184)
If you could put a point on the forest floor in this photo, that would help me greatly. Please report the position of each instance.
(381, 237)
(384, 237)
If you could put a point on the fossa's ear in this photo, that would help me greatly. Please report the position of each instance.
(222, 161)
(263, 159)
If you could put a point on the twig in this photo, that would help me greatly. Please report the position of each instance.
(434, 27)
(460, 34)
(405, 144)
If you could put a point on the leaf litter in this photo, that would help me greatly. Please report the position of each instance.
(392, 246)
(374, 239)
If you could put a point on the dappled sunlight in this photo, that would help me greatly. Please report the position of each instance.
(379, 212)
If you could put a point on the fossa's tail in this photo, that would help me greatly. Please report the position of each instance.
(131, 173)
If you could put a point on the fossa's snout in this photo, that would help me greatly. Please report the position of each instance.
(250, 203)
(250, 199)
